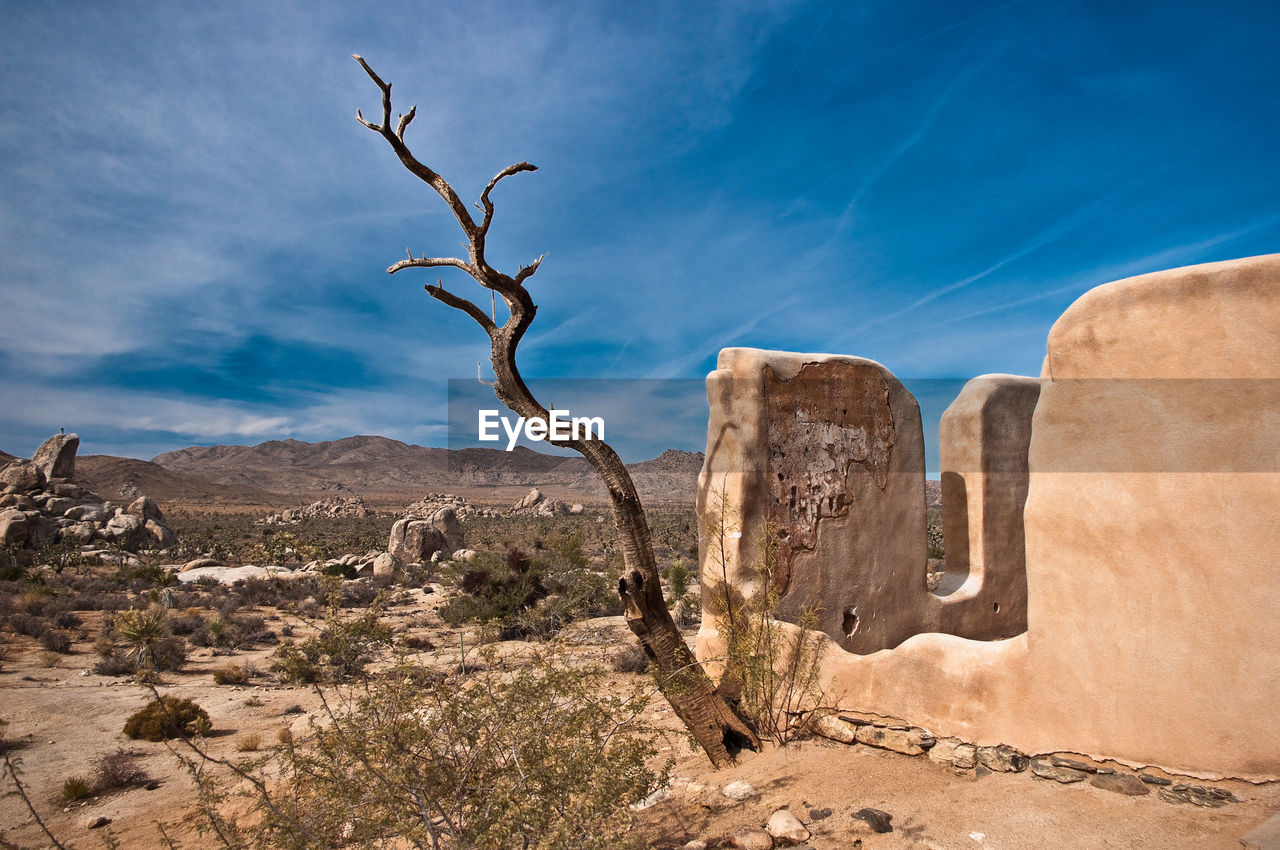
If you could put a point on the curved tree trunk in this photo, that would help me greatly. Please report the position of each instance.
(681, 678)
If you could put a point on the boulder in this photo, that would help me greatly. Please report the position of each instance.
(386, 565)
(127, 530)
(145, 507)
(57, 505)
(82, 531)
(41, 530)
(159, 535)
(446, 522)
(86, 513)
(20, 501)
(14, 527)
(415, 540)
(56, 458)
(23, 476)
(530, 499)
(785, 826)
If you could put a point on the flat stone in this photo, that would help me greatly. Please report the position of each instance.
(906, 741)
(97, 822)
(877, 819)
(1120, 783)
(1003, 759)
(1072, 764)
(1197, 795)
(1154, 780)
(819, 814)
(739, 790)
(834, 728)
(1065, 775)
(953, 752)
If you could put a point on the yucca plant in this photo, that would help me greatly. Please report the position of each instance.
(147, 641)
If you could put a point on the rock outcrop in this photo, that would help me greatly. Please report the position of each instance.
(433, 502)
(335, 506)
(535, 503)
(40, 504)
(419, 541)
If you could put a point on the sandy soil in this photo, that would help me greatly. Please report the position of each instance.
(63, 719)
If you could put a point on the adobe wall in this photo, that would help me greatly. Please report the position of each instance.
(1152, 490)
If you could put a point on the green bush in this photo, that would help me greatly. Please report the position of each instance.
(230, 674)
(147, 641)
(76, 788)
(341, 649)
(167, 717)
(537, 757)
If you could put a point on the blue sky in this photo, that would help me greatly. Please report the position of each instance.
(194, 228)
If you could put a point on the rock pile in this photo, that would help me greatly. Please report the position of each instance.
(335, 506)
(416, 540)
(535, 503)
(41, 504)
(463, 509)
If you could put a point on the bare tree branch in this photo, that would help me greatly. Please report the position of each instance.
(422, 172)
(430, 263)
(444, 296)
(528, 271)
(484, 196)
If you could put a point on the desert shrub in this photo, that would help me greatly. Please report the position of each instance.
(339, 651)
(230, 674)
(28, 624)
(66, 619)
(933, 531)
(630, 660)
(186, 623)
(685, 606)
(497, 592)
(249, 743)
(56, 641)
(150, 575)
(773, 666)
(538, 757)
(76, 788)
(167, 717)
(346, 571)
(147, 640)
(117, 770)
(232, 631)
(114, 663)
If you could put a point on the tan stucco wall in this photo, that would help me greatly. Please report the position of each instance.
(1152, 539)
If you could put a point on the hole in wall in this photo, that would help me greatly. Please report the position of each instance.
(996, 607)
(850, 624)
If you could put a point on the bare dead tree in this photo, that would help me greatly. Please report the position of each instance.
(683, 682)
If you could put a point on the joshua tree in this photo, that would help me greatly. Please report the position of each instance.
(684, 684)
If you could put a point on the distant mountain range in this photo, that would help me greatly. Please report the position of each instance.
(379, 469)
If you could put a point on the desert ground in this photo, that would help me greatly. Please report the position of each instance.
(64, 718)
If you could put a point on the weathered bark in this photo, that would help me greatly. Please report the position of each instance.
(681, 678)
